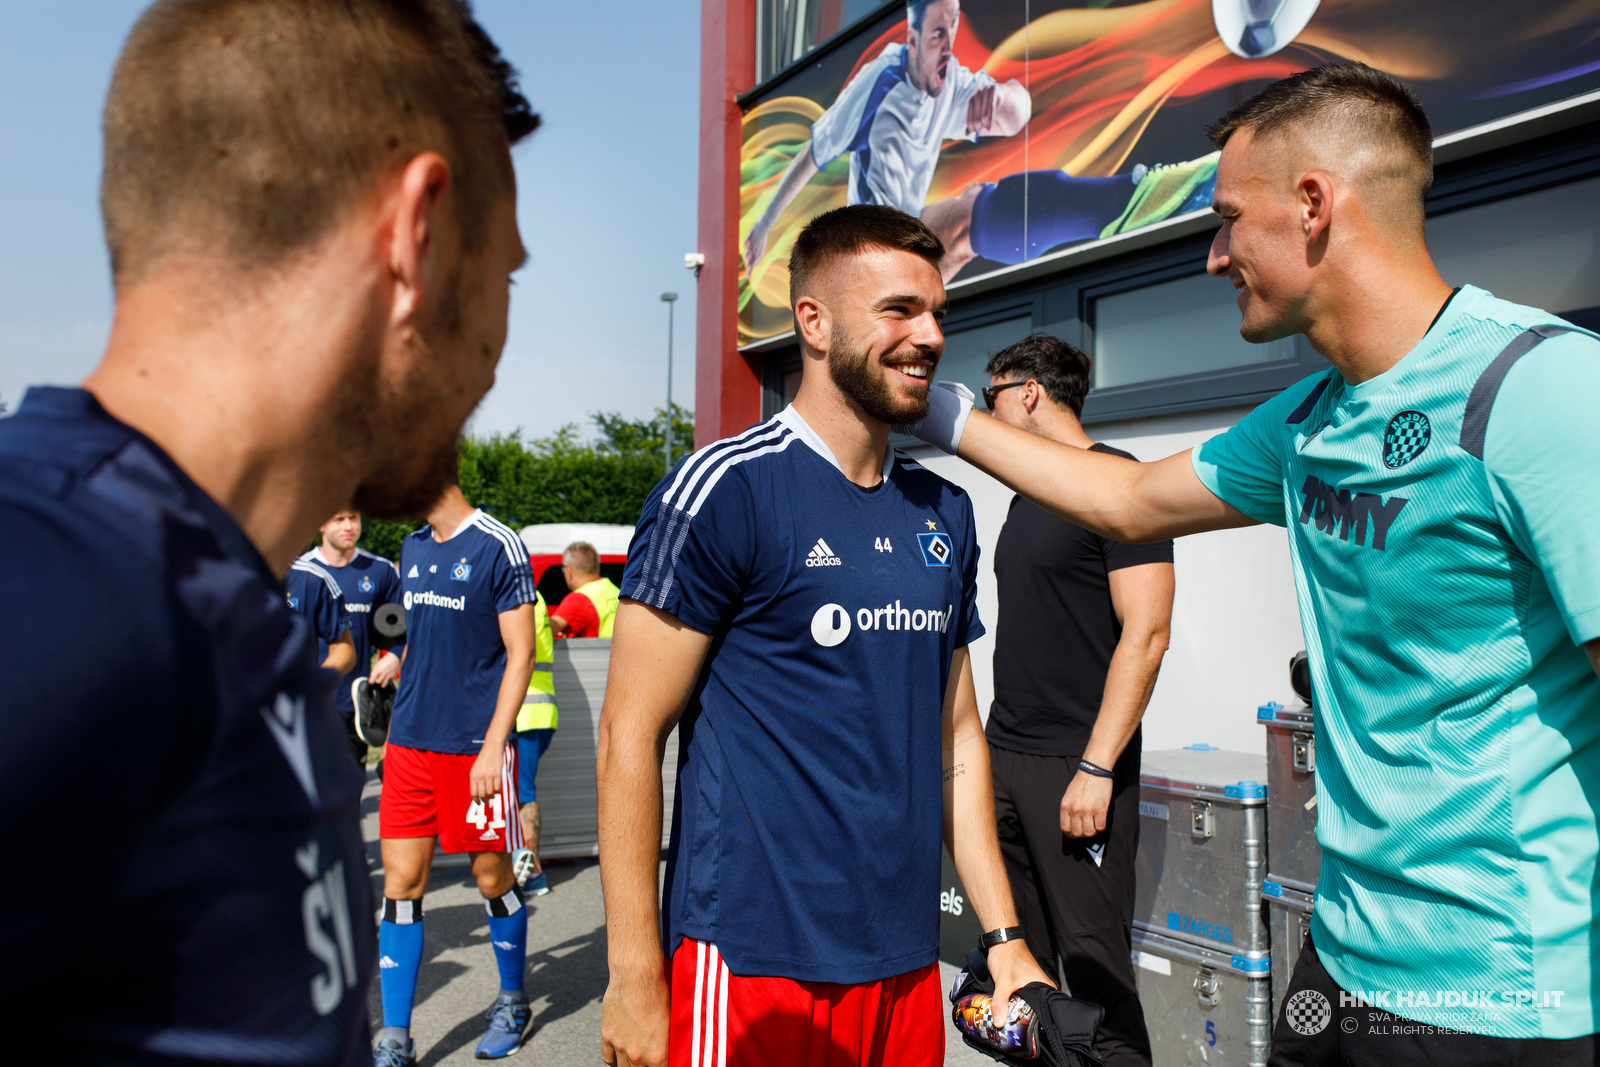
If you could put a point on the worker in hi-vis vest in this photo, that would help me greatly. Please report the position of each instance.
(536, 725)
(591, 608)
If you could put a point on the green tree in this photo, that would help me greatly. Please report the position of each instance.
(625, 437)
(558, 478)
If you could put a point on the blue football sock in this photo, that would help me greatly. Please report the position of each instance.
(508, 929)
(399, 959)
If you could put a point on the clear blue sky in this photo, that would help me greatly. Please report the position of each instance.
(607, 200)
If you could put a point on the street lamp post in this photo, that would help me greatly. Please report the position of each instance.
(671, 299)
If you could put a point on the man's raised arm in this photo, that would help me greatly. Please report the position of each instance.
(655, 660)
(1127, 502)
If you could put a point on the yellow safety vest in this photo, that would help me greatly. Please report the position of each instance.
(603, 594)
(539, 706)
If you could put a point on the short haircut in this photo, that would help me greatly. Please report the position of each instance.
(257, 125)
(1061, 370)
(915, 10)
(585, 560)
(848, 231)
(1372, 105)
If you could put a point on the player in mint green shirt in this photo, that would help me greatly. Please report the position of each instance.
(1441, 489)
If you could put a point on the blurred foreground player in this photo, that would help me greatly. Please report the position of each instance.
(803, 597)
(366, 581)
(332, 282)
(1438, 486)
(450, 767)
(313, 593)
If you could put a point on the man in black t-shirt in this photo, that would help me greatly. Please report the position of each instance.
(1082, 627)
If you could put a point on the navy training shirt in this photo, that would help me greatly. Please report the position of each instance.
(454, 593)
(312, 592)
(162, 706)
(807, 828)
(367, 581)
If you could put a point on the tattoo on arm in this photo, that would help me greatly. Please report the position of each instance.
(955, 771)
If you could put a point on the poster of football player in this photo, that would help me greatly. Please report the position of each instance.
(1016, 130)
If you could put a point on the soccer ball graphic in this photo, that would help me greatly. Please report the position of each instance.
(1253, 29)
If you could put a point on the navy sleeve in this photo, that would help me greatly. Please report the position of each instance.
(512, 578)
(90, 715)
(326, 609)
(694, 549)
(968, 626)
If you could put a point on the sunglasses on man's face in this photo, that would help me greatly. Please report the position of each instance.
(992, 391)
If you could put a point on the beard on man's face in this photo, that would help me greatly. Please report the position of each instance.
(408, 430)
(866, 381)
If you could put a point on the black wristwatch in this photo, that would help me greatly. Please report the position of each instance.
(999, 937)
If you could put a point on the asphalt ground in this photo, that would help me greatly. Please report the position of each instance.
(566, 965)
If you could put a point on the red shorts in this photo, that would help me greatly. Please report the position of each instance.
(729, 1020)
(430, 793)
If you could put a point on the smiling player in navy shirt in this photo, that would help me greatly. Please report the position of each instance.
(803, 596)
(286, 291)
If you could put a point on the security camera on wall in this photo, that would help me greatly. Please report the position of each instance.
(1255, 29)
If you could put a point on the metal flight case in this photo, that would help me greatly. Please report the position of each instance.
(1295, 862)
(1203, 849)
(1201, 864)
(1204, 1007)
(1291, 795)
(1288, 921)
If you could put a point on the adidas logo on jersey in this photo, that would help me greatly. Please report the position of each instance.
(413, 573)
(822, 556)
(386, 963)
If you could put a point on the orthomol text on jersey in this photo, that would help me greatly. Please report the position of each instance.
(434, 600)
(832, 623)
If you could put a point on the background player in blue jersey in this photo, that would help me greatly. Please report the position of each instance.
(450, 767)
(306, 264)
(1438, 488)
(312, 591)
(366, 581)
(803, 597)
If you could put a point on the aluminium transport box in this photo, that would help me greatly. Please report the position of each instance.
(1203, 849)
(1205, 1007)
(1288, 920)
(1296, 858)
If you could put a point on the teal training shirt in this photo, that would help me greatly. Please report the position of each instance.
(1445, 599)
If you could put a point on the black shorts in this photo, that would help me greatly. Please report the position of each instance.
(1318, 1028)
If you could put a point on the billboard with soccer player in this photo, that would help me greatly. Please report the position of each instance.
(1017, 129)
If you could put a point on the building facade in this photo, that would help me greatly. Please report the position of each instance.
(1090, 222)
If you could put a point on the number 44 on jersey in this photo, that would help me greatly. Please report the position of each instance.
(882, 544)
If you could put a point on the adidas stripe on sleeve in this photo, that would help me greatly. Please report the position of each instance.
(513, 577)
(692, 551)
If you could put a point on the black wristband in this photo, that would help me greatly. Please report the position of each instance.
(999, 937)
(1094, 768)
